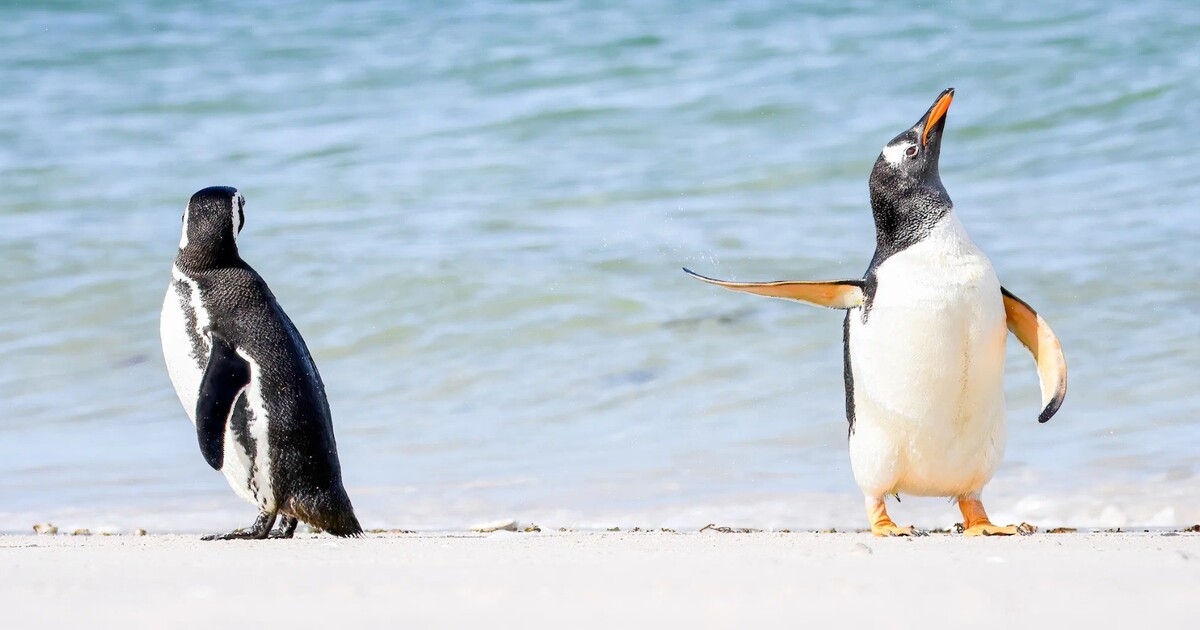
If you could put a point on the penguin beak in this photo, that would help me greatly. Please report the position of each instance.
(937, 113)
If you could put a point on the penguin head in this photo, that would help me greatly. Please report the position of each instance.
(906, 187)
(211, 222)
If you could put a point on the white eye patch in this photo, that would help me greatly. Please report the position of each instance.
(894, 153)
(238, 202)
(183, 240)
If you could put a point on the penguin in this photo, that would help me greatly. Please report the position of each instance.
(247, 381)
(924, 342)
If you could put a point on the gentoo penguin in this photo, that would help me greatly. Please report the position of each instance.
(247, 381)
(923, 342)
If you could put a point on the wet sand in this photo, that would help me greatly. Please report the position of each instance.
(604, 580)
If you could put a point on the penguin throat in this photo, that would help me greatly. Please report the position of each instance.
(904, 219)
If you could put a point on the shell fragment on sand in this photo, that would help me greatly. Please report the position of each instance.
(495, 526)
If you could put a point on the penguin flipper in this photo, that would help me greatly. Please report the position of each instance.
(225, 378)
(1035, 334)
(843, 294)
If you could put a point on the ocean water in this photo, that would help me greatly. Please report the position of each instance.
(476, 216)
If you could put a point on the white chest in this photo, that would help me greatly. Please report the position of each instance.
(928, 369)
(932, 346)
(181, 328)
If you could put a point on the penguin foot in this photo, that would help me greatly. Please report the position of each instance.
(892, 529)
(976, 522)
(286, 529)
(986, 528)
(883, 525)
(258, 531)
(237, 534)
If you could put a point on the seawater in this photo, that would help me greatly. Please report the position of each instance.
(476, 215)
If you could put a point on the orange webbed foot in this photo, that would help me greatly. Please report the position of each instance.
(892, 529)
(882, 524)
(976, 522)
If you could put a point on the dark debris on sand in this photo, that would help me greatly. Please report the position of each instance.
(712, 527)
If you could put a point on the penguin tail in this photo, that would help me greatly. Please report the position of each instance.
(341, 523)
(328, 512)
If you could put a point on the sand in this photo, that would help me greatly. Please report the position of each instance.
(603, 580)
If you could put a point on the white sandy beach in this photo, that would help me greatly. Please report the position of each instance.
(595, 580)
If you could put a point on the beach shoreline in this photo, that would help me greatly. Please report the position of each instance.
(578, 579)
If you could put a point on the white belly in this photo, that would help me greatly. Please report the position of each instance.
(186, 369)
(928, 368)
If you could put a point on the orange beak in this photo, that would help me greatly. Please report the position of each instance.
(939, 110)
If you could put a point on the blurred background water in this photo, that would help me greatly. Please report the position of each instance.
(476, 215)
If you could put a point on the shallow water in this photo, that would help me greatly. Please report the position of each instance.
(476, 216)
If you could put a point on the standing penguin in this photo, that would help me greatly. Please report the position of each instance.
(247, 381)
(923, 342)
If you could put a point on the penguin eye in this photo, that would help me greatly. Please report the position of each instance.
(911, 151)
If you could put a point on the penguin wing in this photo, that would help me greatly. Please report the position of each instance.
(225, 378)
(1035, 334)
(843, 294)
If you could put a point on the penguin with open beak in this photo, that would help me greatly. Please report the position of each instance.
(924, 342)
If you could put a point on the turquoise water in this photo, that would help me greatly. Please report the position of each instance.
(476, 216)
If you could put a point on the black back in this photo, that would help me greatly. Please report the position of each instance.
(305, 471)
